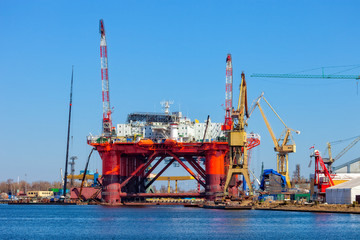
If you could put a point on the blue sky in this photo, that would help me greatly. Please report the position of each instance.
(170, 50)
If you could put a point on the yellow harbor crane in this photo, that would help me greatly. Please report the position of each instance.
(238, 156)
(329, 161)
(283, 145)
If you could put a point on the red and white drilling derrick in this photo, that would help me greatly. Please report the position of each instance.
(228, 95)
(107, 124)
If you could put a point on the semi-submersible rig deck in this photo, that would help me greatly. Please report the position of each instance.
(127, 165)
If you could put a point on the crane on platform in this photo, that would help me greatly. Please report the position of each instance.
(283, 145)
(330, 160)
(106, 123)
(237, 137)
(228, 94)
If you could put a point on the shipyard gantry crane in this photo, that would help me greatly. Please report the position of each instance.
(329, 161)
(228, 94)
(238, 155)
(283, 145)
(107, 123)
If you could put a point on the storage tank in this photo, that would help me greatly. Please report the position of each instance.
(174, 134)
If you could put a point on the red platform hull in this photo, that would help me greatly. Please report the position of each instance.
(125, 164)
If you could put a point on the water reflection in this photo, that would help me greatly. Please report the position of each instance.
(89, 222)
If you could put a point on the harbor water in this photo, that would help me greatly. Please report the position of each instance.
(170, 222)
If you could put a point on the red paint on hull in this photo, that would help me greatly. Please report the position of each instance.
(121, 160)
(215, 174)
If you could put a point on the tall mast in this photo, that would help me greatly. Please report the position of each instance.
(228, 94)
(68, 135)
(107, 124)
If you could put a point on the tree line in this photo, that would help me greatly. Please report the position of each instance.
(11, 186)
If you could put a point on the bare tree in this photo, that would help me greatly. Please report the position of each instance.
(10, 185)
(163, 189)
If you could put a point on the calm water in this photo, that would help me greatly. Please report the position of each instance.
(169, 222)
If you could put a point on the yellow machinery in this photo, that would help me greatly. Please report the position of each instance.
(174, 178)
(329, 161)
(161, 178)
(283, 145)
(86, 178)
(238, 157)
(80, 176)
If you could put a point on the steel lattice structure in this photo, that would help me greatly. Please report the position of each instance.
(228, 94)
(107, 124)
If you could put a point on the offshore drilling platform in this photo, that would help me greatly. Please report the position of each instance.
(131, 152)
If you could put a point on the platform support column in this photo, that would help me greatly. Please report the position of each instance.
(215, 174)
(111, 177)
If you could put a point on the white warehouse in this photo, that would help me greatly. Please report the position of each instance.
(344, 193)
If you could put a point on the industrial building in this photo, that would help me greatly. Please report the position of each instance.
(344, 193)
(352, 166)
(157, 126)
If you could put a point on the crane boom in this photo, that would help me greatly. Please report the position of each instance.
(275, 112)
(107, 124)
(253, 106)
(228, 94)
(329, 161)
(283, 148)
(328, 76)
(268, 126)
(242, 108)
(68, 134)
(347, 148)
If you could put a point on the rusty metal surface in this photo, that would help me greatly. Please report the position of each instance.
(163, 195)
(87, 193)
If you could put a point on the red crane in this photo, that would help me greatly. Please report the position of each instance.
(107, 123)
(228, 95)
(323, 179)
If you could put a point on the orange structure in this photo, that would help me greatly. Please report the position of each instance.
(126, 166)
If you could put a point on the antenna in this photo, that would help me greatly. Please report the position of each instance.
(166, 105)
